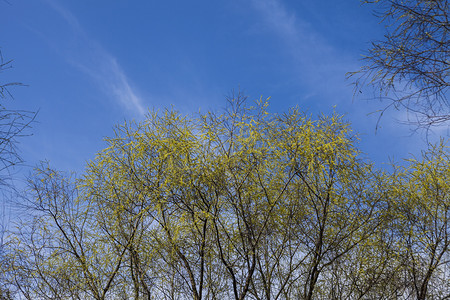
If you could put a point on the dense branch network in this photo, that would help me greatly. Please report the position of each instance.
(245, 204)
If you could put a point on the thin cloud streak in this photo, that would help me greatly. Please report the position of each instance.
(108, 74)
(91, 58)
(319, 64)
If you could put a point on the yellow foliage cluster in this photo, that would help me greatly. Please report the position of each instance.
(243, 205)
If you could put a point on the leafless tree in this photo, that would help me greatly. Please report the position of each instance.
(411, 67)
(13, 124)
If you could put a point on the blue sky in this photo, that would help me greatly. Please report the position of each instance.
(90, 65)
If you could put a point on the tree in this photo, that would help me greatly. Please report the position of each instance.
(13, 124)
(411, 65)
(243, 205)
(421, 202)
(240, 205)
(60, 252)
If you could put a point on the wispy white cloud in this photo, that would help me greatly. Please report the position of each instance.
(275, 14)
(90, 57)
(66, 15)
(317, 62)
(111, 78)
